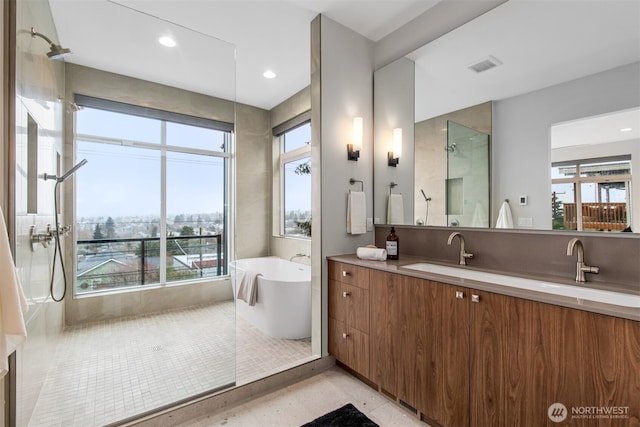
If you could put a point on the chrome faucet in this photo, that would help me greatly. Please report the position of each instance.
(581, 267)
(463, 254)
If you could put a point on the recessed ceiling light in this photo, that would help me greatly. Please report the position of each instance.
(626, 130)
(269, 74)
(167, 41)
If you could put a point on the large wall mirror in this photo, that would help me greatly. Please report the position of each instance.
(553, 91)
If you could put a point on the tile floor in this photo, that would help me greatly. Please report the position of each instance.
(108, 371)
(306, 400)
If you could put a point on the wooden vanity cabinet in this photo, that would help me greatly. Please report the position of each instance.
(349, 315)
(469, 358)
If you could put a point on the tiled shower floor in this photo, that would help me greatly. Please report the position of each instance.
(113, 370)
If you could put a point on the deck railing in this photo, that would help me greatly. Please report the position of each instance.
(106, 264)
(597, 216)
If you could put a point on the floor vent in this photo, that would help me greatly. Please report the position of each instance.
(407, 406)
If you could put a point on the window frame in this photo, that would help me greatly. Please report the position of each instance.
(285, 157)
(163, 148)
(577, 181)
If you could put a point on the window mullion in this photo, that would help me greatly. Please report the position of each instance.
(163, 204)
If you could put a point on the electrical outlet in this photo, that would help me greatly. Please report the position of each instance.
(369, 224)
(525, 222)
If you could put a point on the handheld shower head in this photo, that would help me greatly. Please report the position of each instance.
(55, 50)
(68, 174)
(426, 199)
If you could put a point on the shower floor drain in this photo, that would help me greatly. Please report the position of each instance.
(156, 348)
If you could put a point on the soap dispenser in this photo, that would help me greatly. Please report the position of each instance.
(393, 245)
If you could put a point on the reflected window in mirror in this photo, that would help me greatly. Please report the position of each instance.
(592, 195)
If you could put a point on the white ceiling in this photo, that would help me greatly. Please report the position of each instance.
(121, 36)
(539, 42)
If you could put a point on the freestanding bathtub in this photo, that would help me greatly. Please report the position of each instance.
(283, 305)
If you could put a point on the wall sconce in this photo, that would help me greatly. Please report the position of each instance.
(394, 156)
(353, 149)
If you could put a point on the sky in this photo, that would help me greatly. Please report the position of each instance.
(124, 180)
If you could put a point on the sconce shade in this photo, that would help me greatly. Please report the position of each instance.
(353, 149)
(396, 147)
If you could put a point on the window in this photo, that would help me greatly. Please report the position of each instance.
(592, 194)
(151, 202)
(295, 177)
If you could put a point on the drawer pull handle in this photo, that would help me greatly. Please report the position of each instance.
(459, 294)
(346, 294)
(345, 335)
(475, 298)
(345, 274)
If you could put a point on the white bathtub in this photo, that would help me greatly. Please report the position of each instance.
(283, 306)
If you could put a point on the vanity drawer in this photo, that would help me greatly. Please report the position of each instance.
(350, 274)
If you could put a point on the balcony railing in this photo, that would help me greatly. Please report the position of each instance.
(596, 216)
(108, 264)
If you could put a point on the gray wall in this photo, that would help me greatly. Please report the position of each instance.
(520, 149)
(341, 88)
(394, 107)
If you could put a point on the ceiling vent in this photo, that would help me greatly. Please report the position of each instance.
(485, 64)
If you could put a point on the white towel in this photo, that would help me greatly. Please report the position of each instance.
(13, 304)
(504, 216)
(356, 213)
(479, 217)
(248, 287)
(373, 254)
(395, 209)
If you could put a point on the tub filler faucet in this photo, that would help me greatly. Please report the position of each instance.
(464, 255)
(299, 256)
(581, 267)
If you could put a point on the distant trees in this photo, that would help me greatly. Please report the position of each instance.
(97, 233)
(187, 231)
(110, 228)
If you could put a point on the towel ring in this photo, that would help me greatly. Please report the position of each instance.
(391, 185)
(353, 181)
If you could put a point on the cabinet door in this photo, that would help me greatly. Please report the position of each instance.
(591, 361)
(526, 355)
(384, 293)
(435, 351)
(501, 389)
(446, 386)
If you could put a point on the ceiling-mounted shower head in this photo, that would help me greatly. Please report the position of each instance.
(55, 50)
(73, 107)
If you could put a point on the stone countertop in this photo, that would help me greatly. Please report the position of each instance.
(395, 266)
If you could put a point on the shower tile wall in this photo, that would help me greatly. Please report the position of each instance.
(39, 82)
(253, 182)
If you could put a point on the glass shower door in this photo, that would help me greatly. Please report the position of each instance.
(149, 317)
(467, 185)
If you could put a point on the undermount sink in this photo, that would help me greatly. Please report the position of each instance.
(578, 292)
